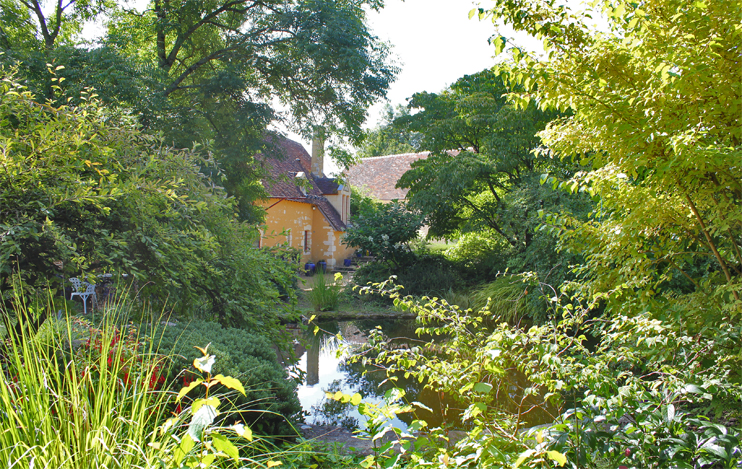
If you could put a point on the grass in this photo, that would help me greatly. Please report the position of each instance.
(349, 305)
(70, 402)
(324, 295)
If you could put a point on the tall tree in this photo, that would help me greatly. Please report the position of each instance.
(481, 152)
(214, 71)
(665, 145)
(387, 139)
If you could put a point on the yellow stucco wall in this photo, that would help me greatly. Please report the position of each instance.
(295, 218)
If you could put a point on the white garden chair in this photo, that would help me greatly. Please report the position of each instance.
(83, 290)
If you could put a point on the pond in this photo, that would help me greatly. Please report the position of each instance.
(327, 369)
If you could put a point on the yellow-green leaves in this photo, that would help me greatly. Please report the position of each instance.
(242, 430)
(557, 456)
(537, 455)
(186, 389)
(185, 447)
(229, 382)
(198, 403)
(203, 441)
(221, 443)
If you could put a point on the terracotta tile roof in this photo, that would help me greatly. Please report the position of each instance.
(289, 159)
(379, 174)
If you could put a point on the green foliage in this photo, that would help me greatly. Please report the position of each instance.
(427, 274)
(481, 152)
(482, 181)
(204, 441)
(377, 424)
(506, 299)
(482, 253)
(76, 395)
(385, 232)
(325, 296)
(361, 203)
(83, 187)
(664, 147)
(211, 71)
(386, 139)
(269, 404)
(509, 379)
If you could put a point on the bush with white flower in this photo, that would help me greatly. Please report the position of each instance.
(386, 232)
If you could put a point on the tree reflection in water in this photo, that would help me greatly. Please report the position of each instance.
(333, 372)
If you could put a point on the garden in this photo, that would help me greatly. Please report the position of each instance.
(579, 305)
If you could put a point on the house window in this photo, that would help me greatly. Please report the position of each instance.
(307, 241)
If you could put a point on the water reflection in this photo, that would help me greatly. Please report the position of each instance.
(328, 369)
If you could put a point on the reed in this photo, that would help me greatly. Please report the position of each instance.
(75, 395)
(324, 295)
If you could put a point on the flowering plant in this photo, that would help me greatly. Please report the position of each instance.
(127, 358)
(385, 232)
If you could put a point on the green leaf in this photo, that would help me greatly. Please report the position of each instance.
(476, 408)
(716, 450)
(185, 447)
(188, 389)
(221, 443)
(201, 419)
(356, 399)
(483, 387)
(198, 403)
(465, 388)
(230, 382)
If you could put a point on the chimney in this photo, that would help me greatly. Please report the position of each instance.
(318, 152)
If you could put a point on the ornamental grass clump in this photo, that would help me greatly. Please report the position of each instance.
(325, 296)
(76, 395)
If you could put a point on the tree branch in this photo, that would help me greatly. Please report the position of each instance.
(711, 244)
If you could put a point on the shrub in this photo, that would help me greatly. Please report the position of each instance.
(428, 274)
(386, 233)
(270, 404)
(601, 406)
(149, 211)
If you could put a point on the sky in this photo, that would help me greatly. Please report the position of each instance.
(434, 43)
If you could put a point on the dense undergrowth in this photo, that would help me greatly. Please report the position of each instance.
(111, 394)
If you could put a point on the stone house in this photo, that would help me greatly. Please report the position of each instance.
(305, 209)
